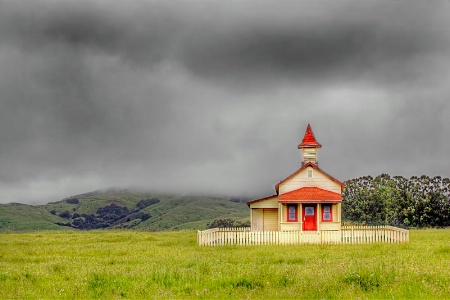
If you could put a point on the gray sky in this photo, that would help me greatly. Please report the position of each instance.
(214, 96)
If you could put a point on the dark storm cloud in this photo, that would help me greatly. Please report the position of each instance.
(135, 32)
(230, 42)
(293, 53)
(196, 96)
(339, 45)
(302, 40)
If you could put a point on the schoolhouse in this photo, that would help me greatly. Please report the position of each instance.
(305, 209)
(307, 200)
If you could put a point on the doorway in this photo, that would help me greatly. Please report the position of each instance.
(309, 216)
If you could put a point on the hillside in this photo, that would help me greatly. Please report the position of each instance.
(122, 209)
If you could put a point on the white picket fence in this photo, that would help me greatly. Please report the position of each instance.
(347, 235)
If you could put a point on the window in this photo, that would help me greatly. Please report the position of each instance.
(292, 214)
(309, 211)
(309, 174)
(327, 213)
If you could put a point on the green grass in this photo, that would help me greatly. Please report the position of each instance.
(173, 212)
(22, 217)
(132, 264)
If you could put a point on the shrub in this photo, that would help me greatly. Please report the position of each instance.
(239, 199)
(65, 214)
(145, 203)
(72, 201)
(221, 223)
(64, 224)
(145, 217)
(113, 209)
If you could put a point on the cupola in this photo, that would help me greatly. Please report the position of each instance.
(309, 146)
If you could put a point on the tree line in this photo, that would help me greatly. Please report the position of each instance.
(106, 217)
(384, 200)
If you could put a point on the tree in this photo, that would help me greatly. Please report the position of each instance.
(145, 217)
(73, 201)
(226, 223)
(221, 223)
(145, 203)
(65, 214)
(417, 201)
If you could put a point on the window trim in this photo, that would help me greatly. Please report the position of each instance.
(331, 212)
(309, 174)
(296, 213)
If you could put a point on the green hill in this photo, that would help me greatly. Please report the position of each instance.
(122, 209)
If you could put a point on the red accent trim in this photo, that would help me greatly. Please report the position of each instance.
(309, 201)
(309, 140)
(315, 167)
(331, 212)
(306, 194)
(296, 213)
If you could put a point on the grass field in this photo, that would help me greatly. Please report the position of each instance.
(132, 264)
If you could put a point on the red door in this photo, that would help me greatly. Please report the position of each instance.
(309, 217)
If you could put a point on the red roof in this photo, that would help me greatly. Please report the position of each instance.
(308, 194)
(309, 140)
(314, 166)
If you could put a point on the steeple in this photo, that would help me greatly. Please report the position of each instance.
(309, 146)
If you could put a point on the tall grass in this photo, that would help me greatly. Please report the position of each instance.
(130, 264)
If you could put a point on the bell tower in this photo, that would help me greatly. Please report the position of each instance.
(309, 147)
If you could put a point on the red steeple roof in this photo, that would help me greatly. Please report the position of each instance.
(309, 141)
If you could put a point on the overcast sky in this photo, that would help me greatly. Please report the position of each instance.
(214, 96)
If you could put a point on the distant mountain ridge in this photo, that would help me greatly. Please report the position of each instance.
(122, 208)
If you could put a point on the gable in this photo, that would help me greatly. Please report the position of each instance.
(301, 179)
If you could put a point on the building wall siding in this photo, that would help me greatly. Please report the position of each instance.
(270, 219)
(257, 219)
(329, 226)
(334, 212)
(264, 219)
(319, 180)
(288, 226)
(269, 203)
